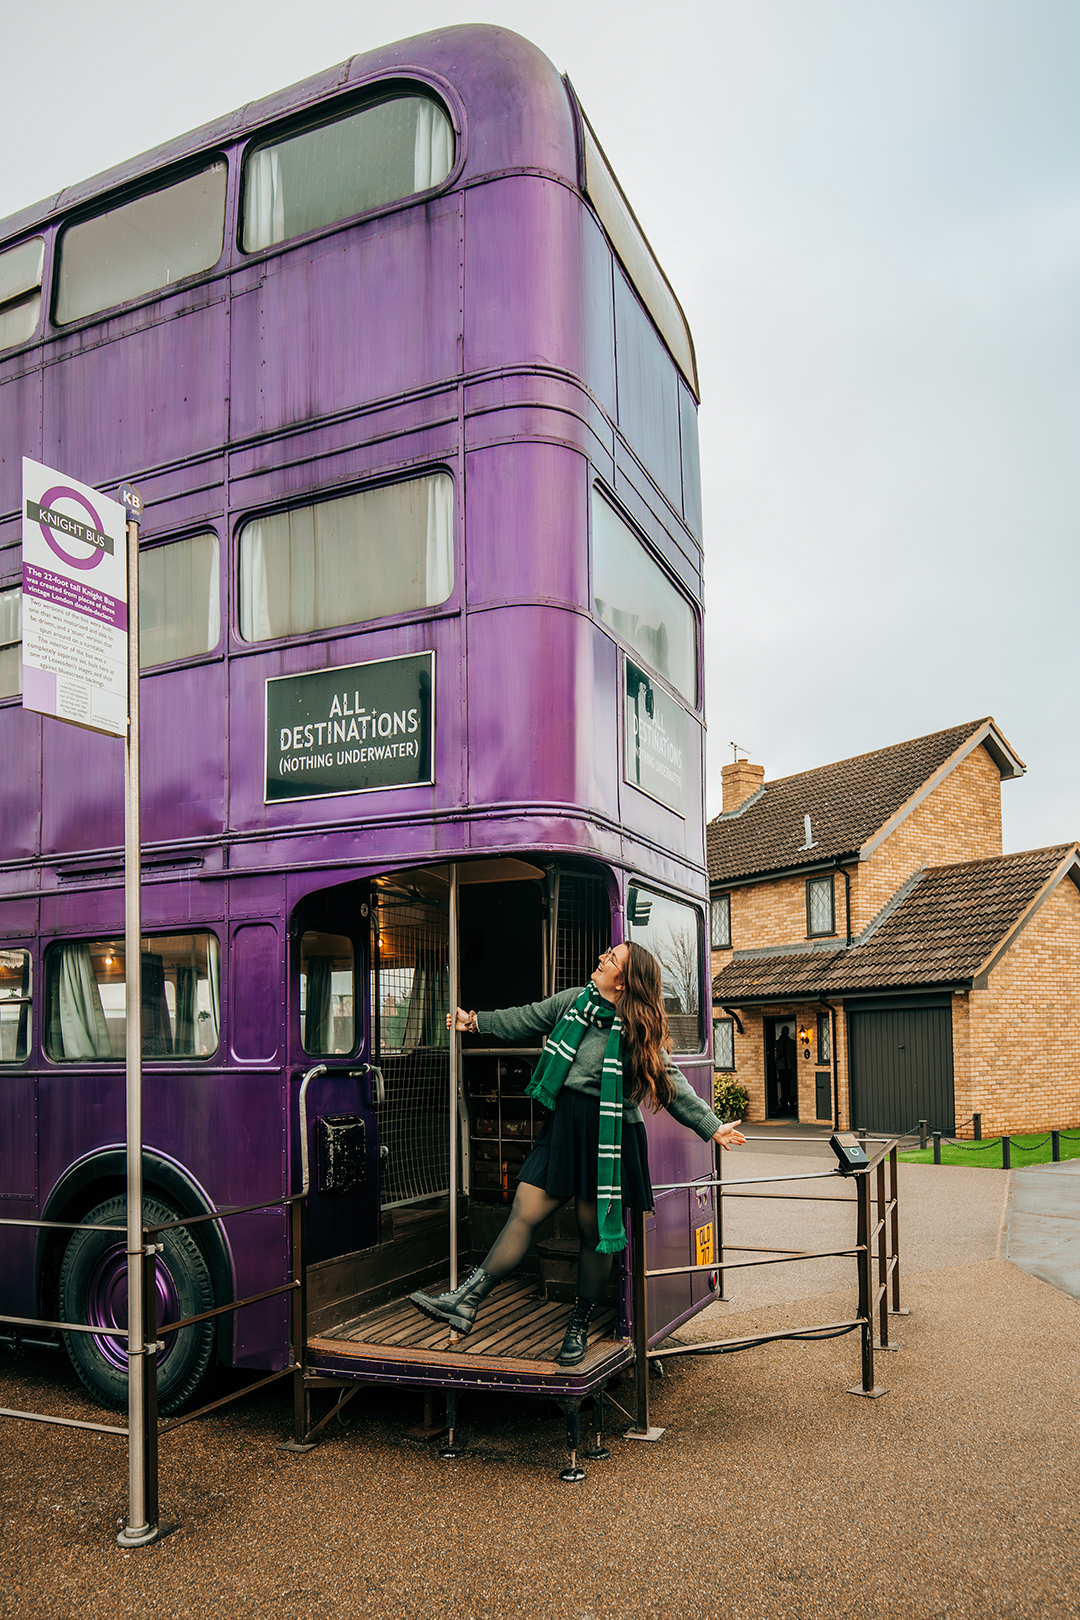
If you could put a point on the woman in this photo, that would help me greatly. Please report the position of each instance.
(606, 1052)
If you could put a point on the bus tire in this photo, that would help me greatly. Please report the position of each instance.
(93, 1290)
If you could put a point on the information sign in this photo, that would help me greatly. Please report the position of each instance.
(74, 606)
(351, 730)
(655, 740)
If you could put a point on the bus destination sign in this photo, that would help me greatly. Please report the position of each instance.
(655, 740)
(74, 602)
(355, 729)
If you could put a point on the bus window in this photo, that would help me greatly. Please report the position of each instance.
(11, 642)
(670, 929)
(362, 161)
(86, 1001)
(14, 1005)
(142, 245)
(20, 291)
(634, 597)
(384, 551)
(179, 600)
(327, 981)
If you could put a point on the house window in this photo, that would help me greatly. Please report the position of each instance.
(824, 1038)
(365, 160)
(145, 244)
(10, 643)
(820, 917)
(723, 1043)
(365, 556)
(720, 921)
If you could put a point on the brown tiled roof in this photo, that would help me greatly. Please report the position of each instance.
(847, 803)
(943, 931)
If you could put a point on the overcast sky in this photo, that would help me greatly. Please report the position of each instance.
(871, 212)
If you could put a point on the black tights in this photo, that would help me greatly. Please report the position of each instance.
(531, 1206)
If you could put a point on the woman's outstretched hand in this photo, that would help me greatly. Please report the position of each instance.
(464, 1022)
(729, 1136)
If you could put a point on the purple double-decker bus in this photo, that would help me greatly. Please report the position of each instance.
(412, 409)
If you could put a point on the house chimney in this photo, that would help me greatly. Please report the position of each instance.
(740, 780)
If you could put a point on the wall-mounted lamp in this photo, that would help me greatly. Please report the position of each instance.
(804, 1035)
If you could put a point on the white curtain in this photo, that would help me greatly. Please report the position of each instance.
(264, 200)
(254, 586)
(440, 539)
(83, 1031)
(213, 974)
(433, 156)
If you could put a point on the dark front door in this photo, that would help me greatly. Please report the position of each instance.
(901, 1068)
(781, 1068)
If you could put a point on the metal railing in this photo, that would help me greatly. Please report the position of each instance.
(143, 1430)
(876, 1247)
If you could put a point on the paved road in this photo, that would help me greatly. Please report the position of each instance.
(773, 1494)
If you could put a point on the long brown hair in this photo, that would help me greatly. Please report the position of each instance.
(646, 1037)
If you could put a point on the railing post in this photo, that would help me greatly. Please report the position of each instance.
(922, 1135)
(1055, 1146)
(895, 1184)
(883, 1256)
(1006, 1152)
(298, 1329)
(862, 1199)
(644, 1430)
(718, 1176)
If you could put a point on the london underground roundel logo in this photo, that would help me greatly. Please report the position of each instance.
(62, 492)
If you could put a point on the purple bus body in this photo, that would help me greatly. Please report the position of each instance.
(474, 331)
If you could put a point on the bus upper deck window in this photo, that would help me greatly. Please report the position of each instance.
(10, 642)
(327, 972)
(144, 244)
(382, 551)
(14, 1005)
(366, 160)
(20, 291)
(635, 598)
(86, 998)
(179, 600)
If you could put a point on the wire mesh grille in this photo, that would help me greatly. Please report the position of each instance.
(584, 927)
(410, 999)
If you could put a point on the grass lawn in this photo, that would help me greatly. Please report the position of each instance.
(988, 1154)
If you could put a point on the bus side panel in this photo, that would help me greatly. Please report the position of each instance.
(543, 724)
(20, 801)
(183, 730)
(82, 789)
(365, 314)
(20, 412)
(164, 389)
(528, 524)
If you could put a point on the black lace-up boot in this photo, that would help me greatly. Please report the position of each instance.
(577, 1334)
(457, 1310)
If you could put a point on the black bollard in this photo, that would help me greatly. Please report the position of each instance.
(1055, 1146)
(1006, 1152)
(937, 1147)
(976, 1120)
(922, 1134)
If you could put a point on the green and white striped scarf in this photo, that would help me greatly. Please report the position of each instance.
(560, 1050)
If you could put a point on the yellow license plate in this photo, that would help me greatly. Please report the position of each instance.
(704, 1236)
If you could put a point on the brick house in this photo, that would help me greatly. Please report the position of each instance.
(877, 959)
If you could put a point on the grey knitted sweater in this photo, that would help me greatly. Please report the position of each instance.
(520, 1024)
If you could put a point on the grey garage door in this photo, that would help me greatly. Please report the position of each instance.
(901, 1068)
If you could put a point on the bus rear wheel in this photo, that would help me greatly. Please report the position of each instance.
(93, 1290)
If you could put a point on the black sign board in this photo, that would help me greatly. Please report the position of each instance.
(655, 740)
(351, 730)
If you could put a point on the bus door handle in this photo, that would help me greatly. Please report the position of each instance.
(378, 1085)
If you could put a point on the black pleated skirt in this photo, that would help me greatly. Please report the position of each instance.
(564, 1155)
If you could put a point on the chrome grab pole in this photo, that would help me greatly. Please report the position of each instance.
(455, 1063)
(142, 1525)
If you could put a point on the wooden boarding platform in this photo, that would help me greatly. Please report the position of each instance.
(514, 1343)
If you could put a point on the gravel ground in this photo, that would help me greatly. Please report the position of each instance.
(773, 1492)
